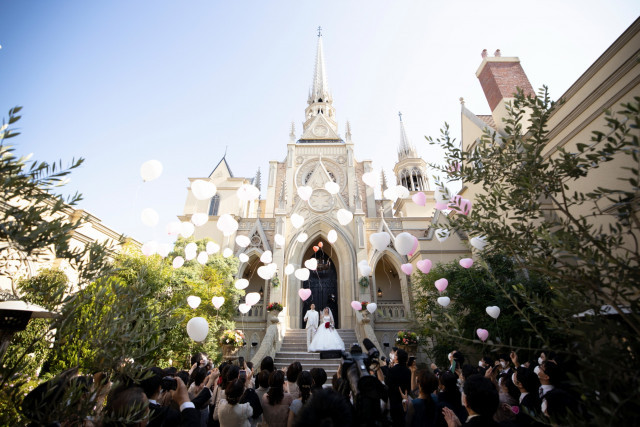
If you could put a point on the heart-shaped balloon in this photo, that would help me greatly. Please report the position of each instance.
(305, 192)
(424, 265)
(372, 307)
(415, 246)
(297, 220)
(371, 179)
(390, 193)
(212, 248)
(332, 236)
(380, 241)
(203, 257)
(316, 249)
(227, 224)
(419, 198)
(304, 294)
(483, 334)
(289, 269)
(178, 262)
(203, 190)
(493, 311)
(441, 206)
(320, 244)
(403, 243)
(266, 257)
(302, 274)
(241, 284)
(444, 301)
(365, 270)
(173, 228)
(332, 187)
(344, 216)
(264, 272)
(243, 257)
(187, 229)
(217, 302)
(279, 239)
(193, 301)
(150, 248)
(199, 219)
(302, 237)
(356, 305)
(311, 264)
(402, 192)
(252, 298)
(442, 234)
(407, 268)
(460, 205)
(247, 192)
(441, 284)
(244, 308)
(227, 252)
(466, 262)
(243, 241)
(478, 242)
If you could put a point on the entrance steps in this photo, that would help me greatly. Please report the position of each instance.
(294, 348)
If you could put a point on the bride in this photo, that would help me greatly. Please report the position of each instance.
(326, 338)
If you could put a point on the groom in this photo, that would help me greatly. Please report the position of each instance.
(312, 318)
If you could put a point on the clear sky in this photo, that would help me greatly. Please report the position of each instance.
(121, 82)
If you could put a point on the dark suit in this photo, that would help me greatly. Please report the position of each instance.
(167, 416)
(398, 377)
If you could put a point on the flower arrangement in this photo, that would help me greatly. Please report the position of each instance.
(364, 281)
(364, 305)
(407, 338)
(231, 337)
(274, 306)
(275, 282)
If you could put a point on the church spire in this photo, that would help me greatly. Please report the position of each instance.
(320, 88)
(405, 150)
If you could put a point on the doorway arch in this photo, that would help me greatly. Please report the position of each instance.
(323, 282)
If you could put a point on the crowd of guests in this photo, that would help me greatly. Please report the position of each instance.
(503, 392)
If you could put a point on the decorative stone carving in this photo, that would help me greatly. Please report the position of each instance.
(321, 200)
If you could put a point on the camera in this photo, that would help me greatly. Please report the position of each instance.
(169, 383)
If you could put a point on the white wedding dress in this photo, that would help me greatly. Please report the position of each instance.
(326, 338)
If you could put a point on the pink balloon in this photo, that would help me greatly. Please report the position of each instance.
(407, 268)
(483, 334)
(466, 262)
(356, 305)
(441, 284)
(419, 198)
(415, 246)
(460, 205)
(441, 206)
(424, 265)
(304, 294)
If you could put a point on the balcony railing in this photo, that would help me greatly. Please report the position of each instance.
(256, 314)
(393, 310)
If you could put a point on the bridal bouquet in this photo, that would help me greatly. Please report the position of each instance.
(327, 325)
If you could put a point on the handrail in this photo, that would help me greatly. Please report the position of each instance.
(365, 330)
(269, 344)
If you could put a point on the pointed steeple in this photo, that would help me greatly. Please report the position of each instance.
(405, 150)
(257, 181)
(383, 179)
(320, 88)
(292, 134)
(347, 134)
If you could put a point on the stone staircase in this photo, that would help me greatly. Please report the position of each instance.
(294, 348)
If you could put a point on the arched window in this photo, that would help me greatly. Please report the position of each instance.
(405, 179)
(214, 205)
(416, 178)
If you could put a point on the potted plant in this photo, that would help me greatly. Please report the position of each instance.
(274, 310)
(364, 311)
(408, 341)
(231, 341)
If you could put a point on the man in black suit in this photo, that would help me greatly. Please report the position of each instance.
(527, 382)
(480, 398)
(398, 378)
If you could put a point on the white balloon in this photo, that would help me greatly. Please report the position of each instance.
(173, 228)
(332, 236)
(178, 262)
(264, 272)
(247, 192)
(227, 252)
(440, 195)
(279, 239)
(391, 193)
(217, 302)
(365, 270)
(150, 248)
(442, 234)
(311, 264)
(203, 190)
(243, 257)
(479, 242)
(193, 301)
(404, 243)
(252, 298)
(241, 284)
(149, 217)
(493, 311)
(191, 247)
(380, 241)
(444, 301)
(402, 192)
(289, 269)
(302, 237)
(302, 274)
(227, 224)
(187, 229)
(372, 307)
(297, 220)
(243, 241)
(332, 187)
(363, 262)
(266, 257)
(199, 219)
(198, 329)
(344, 216)
(150, 170)
(244, 308)
(203, 257)
(305, 192)
(371, 179)
(212, 248)
(273, 267)
(164, 249)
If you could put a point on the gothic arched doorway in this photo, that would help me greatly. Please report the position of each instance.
(323, 282)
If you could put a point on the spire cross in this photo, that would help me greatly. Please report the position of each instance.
(225, 151)
(319, 31)
(400, 115)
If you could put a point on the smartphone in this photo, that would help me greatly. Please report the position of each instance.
(243, 374)
(169, 383)
(241, 361)
(411, 361)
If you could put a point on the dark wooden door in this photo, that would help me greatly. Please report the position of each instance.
(324, 288)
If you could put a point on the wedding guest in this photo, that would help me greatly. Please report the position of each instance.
(481, 400)
(293, 371)
(319, 376)
(262, 381)
(267, 363)
(304, 383)
(325, 408)
(423, 411)
(275, 403)
(232, 413)
(399, 378)
(450, 395)
(529, 401)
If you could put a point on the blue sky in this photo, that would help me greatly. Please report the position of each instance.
(121, 82)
